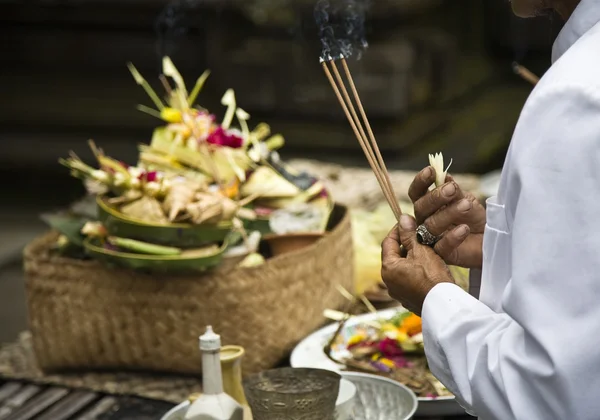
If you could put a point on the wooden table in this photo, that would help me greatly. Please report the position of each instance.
(27, 401)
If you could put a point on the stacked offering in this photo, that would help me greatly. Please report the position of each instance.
(201, 191)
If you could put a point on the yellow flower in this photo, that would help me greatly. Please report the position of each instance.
(355, 339)
(171, 115)
(387, 362)
(401, 336)
(388, 327)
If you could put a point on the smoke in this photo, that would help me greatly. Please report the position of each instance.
(341, 26)
(174, 22)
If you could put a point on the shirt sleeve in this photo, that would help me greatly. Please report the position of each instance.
(537, 358)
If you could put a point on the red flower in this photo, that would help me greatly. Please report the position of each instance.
(390, 348)
(220, 137)
(148, 176)
(151, 176)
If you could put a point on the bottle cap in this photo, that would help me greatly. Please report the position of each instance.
(210, 341)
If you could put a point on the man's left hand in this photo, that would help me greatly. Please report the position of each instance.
(412, 270)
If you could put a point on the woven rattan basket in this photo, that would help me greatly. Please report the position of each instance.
(85, 315)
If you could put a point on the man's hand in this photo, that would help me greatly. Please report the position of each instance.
(412, 271)
(457, 217)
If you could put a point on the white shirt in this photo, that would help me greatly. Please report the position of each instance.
(529, 349)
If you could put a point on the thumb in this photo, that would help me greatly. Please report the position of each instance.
(407, 229)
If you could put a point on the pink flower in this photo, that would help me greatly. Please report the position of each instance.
(263, 211)
(390, 348)
(220, 137)
(151, 176)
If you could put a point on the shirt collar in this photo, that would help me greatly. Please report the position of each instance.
(585, 16)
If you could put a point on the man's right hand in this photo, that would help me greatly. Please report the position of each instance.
(457, 217)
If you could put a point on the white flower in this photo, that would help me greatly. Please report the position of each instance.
(135, 172)
(437, 163)
(100, 176)
(119, 179)
(93, 229)
(135, 183)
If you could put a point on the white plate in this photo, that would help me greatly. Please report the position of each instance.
(309, 354)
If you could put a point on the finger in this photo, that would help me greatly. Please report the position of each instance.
(390, 247)
(447, 247)
(436, 199)
(452, 215)
(420, 185)
(394, 233)
(408, 232)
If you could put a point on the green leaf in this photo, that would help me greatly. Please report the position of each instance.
(67, 224)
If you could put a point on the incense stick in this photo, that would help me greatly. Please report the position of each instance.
(363, 137)
(373, 157)
(525, 73)
(371, 135)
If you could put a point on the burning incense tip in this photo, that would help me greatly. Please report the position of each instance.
(525, 73)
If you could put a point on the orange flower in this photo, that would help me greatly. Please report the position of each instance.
(412, 324)
(232, 189)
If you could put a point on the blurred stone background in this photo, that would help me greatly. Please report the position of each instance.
(436, 77)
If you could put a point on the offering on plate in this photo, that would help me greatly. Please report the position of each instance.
(392, 348)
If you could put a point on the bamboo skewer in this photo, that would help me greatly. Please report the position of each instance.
(370, 149)
(525, 74)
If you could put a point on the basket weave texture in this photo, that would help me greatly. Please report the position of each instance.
(86, 315)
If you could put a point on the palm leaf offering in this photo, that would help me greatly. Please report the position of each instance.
(195, 183)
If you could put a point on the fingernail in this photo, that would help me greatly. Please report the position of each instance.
(462, 231)
(464, 205)
(427, 172)
(407, 223)
(449, 190)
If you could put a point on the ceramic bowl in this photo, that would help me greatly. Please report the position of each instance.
(290, 242)
(344, 406)
(379, 398)
(346, 401)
